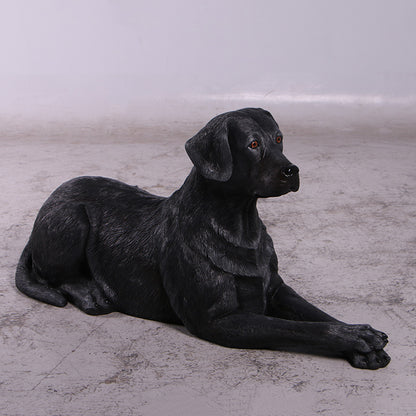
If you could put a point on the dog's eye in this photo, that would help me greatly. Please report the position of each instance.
(254, 144)
(279, 139)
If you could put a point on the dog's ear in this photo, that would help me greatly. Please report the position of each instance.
(210, 151)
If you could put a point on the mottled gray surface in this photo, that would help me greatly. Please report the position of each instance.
(346, 241)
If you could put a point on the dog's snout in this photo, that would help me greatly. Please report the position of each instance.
(289, 171)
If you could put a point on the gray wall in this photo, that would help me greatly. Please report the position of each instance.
(91, 58)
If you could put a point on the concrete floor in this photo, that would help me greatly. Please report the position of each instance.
(346, 241)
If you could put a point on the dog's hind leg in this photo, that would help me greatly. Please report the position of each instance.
(87, 296)
(59, 243)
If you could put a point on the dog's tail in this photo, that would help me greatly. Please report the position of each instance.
(27, 283)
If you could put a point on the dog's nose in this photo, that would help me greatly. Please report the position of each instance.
(289, 171)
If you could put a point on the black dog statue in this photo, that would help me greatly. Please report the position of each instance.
(201, 257)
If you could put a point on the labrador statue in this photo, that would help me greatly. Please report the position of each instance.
(201, 258)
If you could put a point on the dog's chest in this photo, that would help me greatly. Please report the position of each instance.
(251, 293)
(249, 267)
(250, 259)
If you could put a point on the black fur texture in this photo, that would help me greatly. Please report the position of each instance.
(201, 257)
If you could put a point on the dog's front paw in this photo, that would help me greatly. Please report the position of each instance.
(362, 339)
(368, 352)
(367, 339)
(363, 346)
(370, 361)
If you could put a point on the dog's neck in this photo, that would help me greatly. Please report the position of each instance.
(234, 217)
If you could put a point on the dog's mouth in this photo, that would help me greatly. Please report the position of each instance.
(292, 183)
(294, 187)
(284, 186)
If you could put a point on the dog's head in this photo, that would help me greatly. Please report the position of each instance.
(243, 150)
